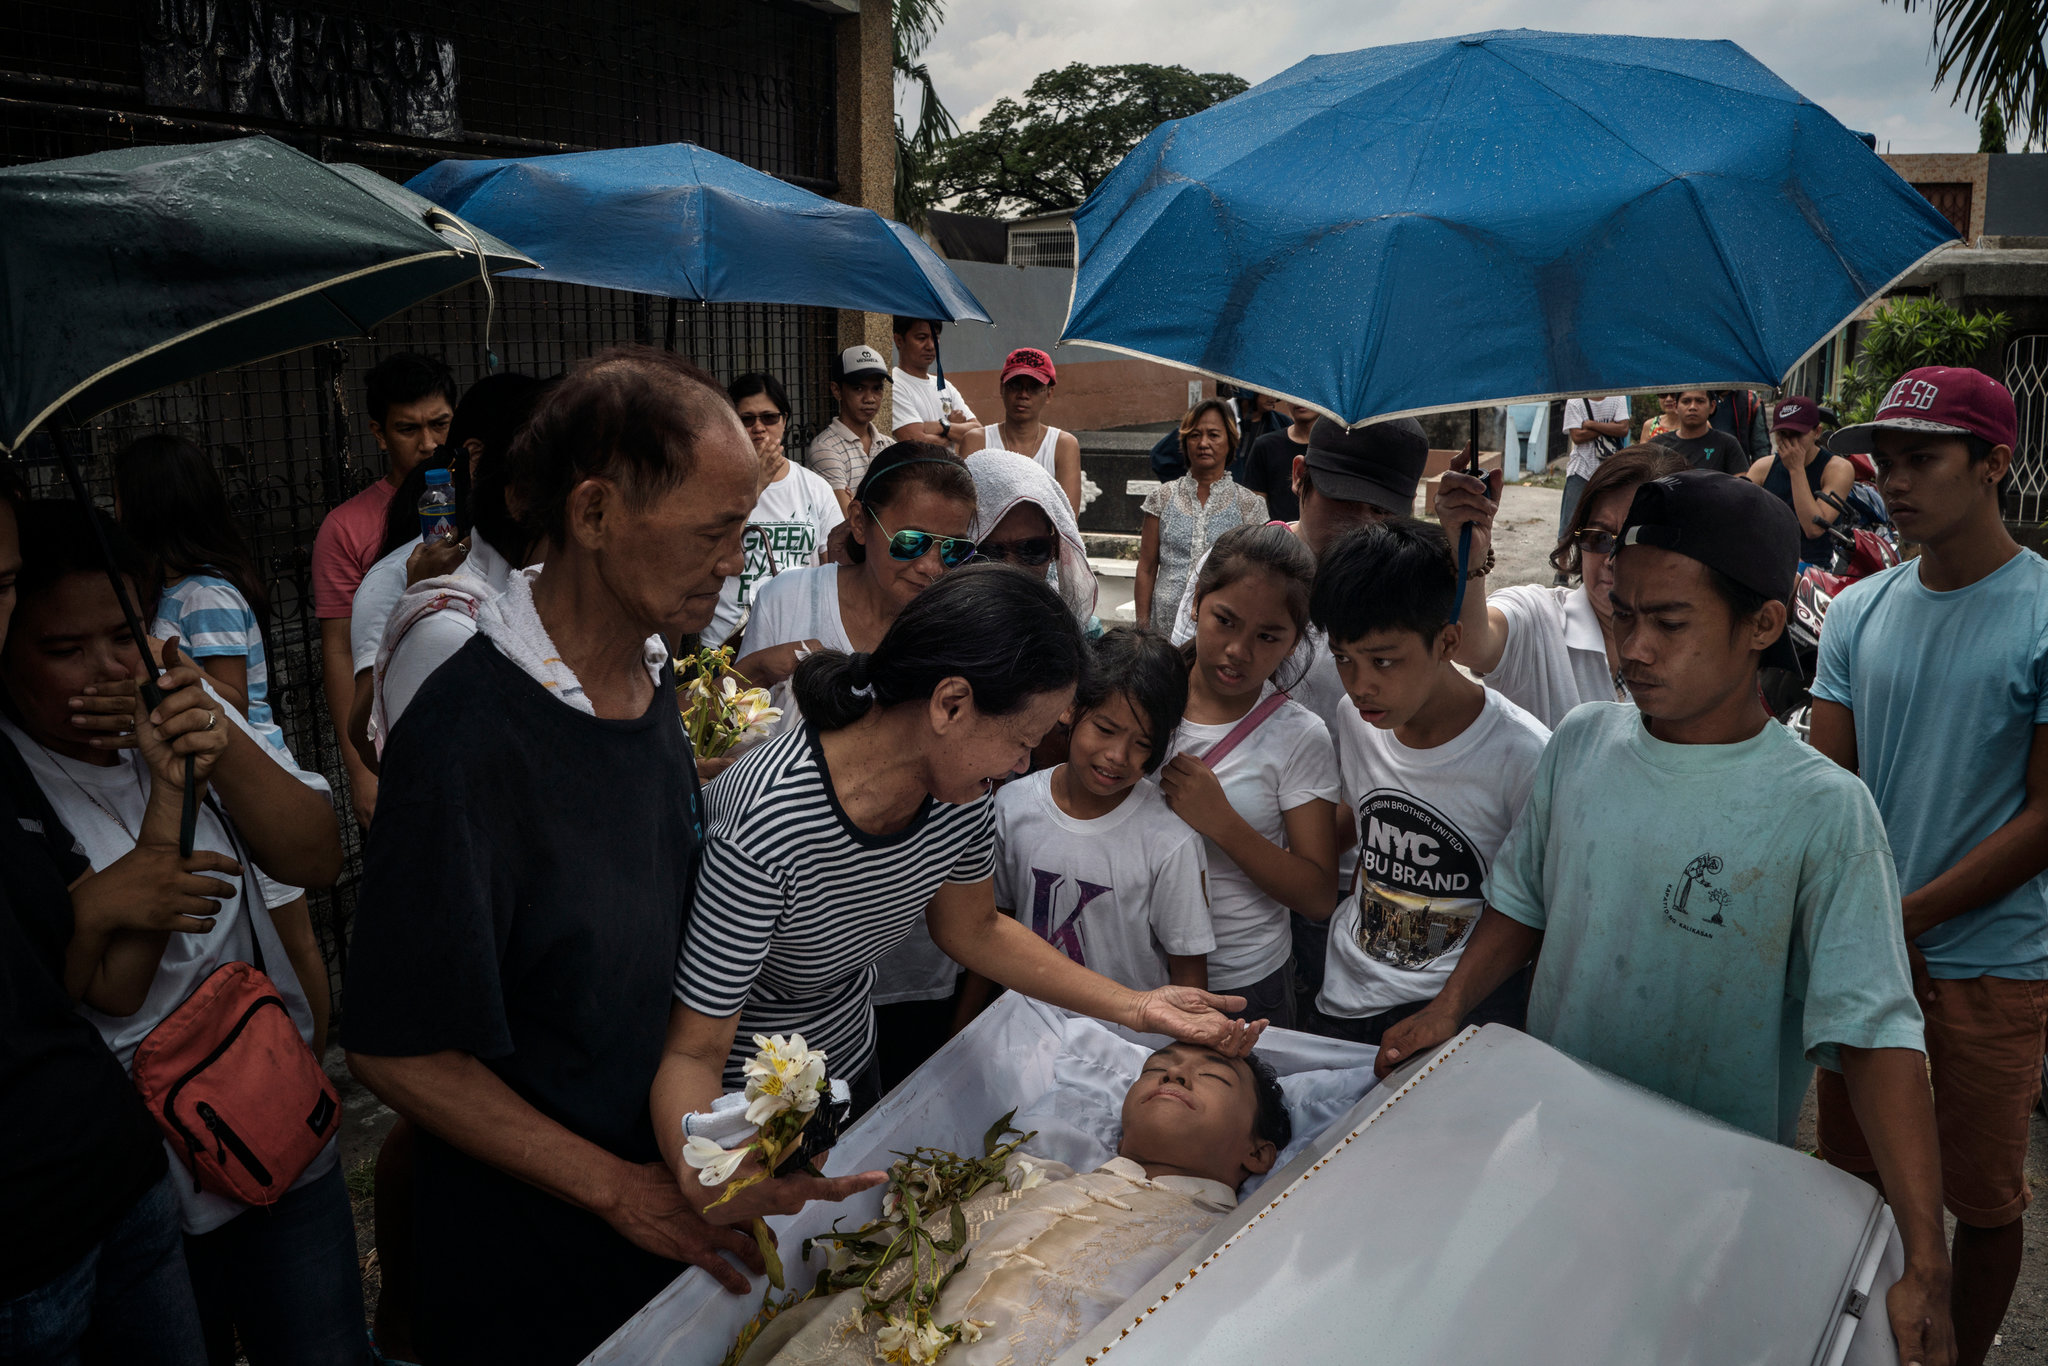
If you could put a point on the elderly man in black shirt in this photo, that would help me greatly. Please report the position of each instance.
(528, 877)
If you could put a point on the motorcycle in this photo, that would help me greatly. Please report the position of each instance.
(1864, 545)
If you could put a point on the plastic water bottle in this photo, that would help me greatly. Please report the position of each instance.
(437, 508)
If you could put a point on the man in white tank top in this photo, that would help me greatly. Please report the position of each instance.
(1028, 379)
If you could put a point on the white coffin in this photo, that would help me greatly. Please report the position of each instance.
(1494, 1202)
(1500, 1202)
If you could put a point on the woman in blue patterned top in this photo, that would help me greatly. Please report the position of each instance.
(202, 577)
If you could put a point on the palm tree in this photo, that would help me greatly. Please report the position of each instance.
(1994, 47)
(914, 22)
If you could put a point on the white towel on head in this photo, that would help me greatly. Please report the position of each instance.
(1003, 479)
(512, 623)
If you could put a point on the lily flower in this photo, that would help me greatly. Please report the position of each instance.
(714, 1164)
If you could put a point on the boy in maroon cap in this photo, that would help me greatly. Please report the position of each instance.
(1028, 378)
(1933, 686)
(1799, 470)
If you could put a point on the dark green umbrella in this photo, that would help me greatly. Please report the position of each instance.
(125, 271)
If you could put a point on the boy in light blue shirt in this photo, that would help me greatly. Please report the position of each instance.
(1933, 685)
(1714, 904)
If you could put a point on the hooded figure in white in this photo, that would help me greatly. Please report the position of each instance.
(1017, 505)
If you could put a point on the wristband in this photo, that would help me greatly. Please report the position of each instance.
(1481, 571)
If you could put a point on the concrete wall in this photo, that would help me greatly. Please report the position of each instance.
(1096, 389)
(2016, 195)
(867, 142)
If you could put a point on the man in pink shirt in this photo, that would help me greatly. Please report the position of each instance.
(411, 400)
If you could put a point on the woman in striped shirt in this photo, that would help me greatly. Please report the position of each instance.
(827, 844)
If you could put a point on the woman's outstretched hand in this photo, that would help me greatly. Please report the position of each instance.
(1195, 1016)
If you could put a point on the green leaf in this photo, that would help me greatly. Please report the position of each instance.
(994, 1136)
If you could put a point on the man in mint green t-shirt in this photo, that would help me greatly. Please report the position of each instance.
(1715, 905)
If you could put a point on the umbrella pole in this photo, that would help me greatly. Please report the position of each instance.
(151, 693)
(1465, 532)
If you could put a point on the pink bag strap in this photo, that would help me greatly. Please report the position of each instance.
(1253, 719)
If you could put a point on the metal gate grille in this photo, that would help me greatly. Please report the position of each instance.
(748, 79)
(2026, 374)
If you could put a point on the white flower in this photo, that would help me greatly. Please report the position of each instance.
(970, 1329)
(764, 1106)
(714, 1164)
(931, 1340)
(1028, 1176)
(890, 1204)
(898, 1342)
(783, 1074)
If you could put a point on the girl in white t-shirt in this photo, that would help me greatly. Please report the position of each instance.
(1088, 855)
(1266, 810)
(793, 517)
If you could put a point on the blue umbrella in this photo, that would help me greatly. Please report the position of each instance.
(685, 223)
(1493, 219)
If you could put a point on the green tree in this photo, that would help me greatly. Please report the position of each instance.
(1046, 152)
(1907, 334)
(912, 26)
(1991, 130)
(1994, 48)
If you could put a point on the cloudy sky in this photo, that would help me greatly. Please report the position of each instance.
(1867, 63)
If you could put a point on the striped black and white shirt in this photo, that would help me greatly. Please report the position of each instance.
(795, 904)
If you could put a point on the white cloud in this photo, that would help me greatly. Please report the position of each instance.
(1867, 63)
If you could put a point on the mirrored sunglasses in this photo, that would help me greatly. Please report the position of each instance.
(954, 551)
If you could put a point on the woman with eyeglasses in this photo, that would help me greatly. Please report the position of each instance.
(828, 845)
(911, 520)
(1544, 648)
(794, 516)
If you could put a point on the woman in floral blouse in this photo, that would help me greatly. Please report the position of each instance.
(1183, 518)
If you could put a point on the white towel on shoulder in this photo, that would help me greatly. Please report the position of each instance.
(512, 623)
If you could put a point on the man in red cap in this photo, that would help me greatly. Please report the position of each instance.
(1800, 469)
(1028, 379)
(1933, 686)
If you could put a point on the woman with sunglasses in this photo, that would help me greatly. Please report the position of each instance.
(794, 515)
(910, 521)
(826, 846)
(1544, 648)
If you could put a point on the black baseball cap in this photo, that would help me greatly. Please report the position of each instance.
(1729, 525)
(1380, 463)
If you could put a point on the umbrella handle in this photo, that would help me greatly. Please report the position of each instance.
(188, 822)
(1465, 531)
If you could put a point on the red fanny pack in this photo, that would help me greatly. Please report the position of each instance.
(233, 1084)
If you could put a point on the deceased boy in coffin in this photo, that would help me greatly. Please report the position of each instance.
(1046, 1253)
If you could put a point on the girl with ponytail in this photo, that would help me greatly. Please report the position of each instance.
(827, 846)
